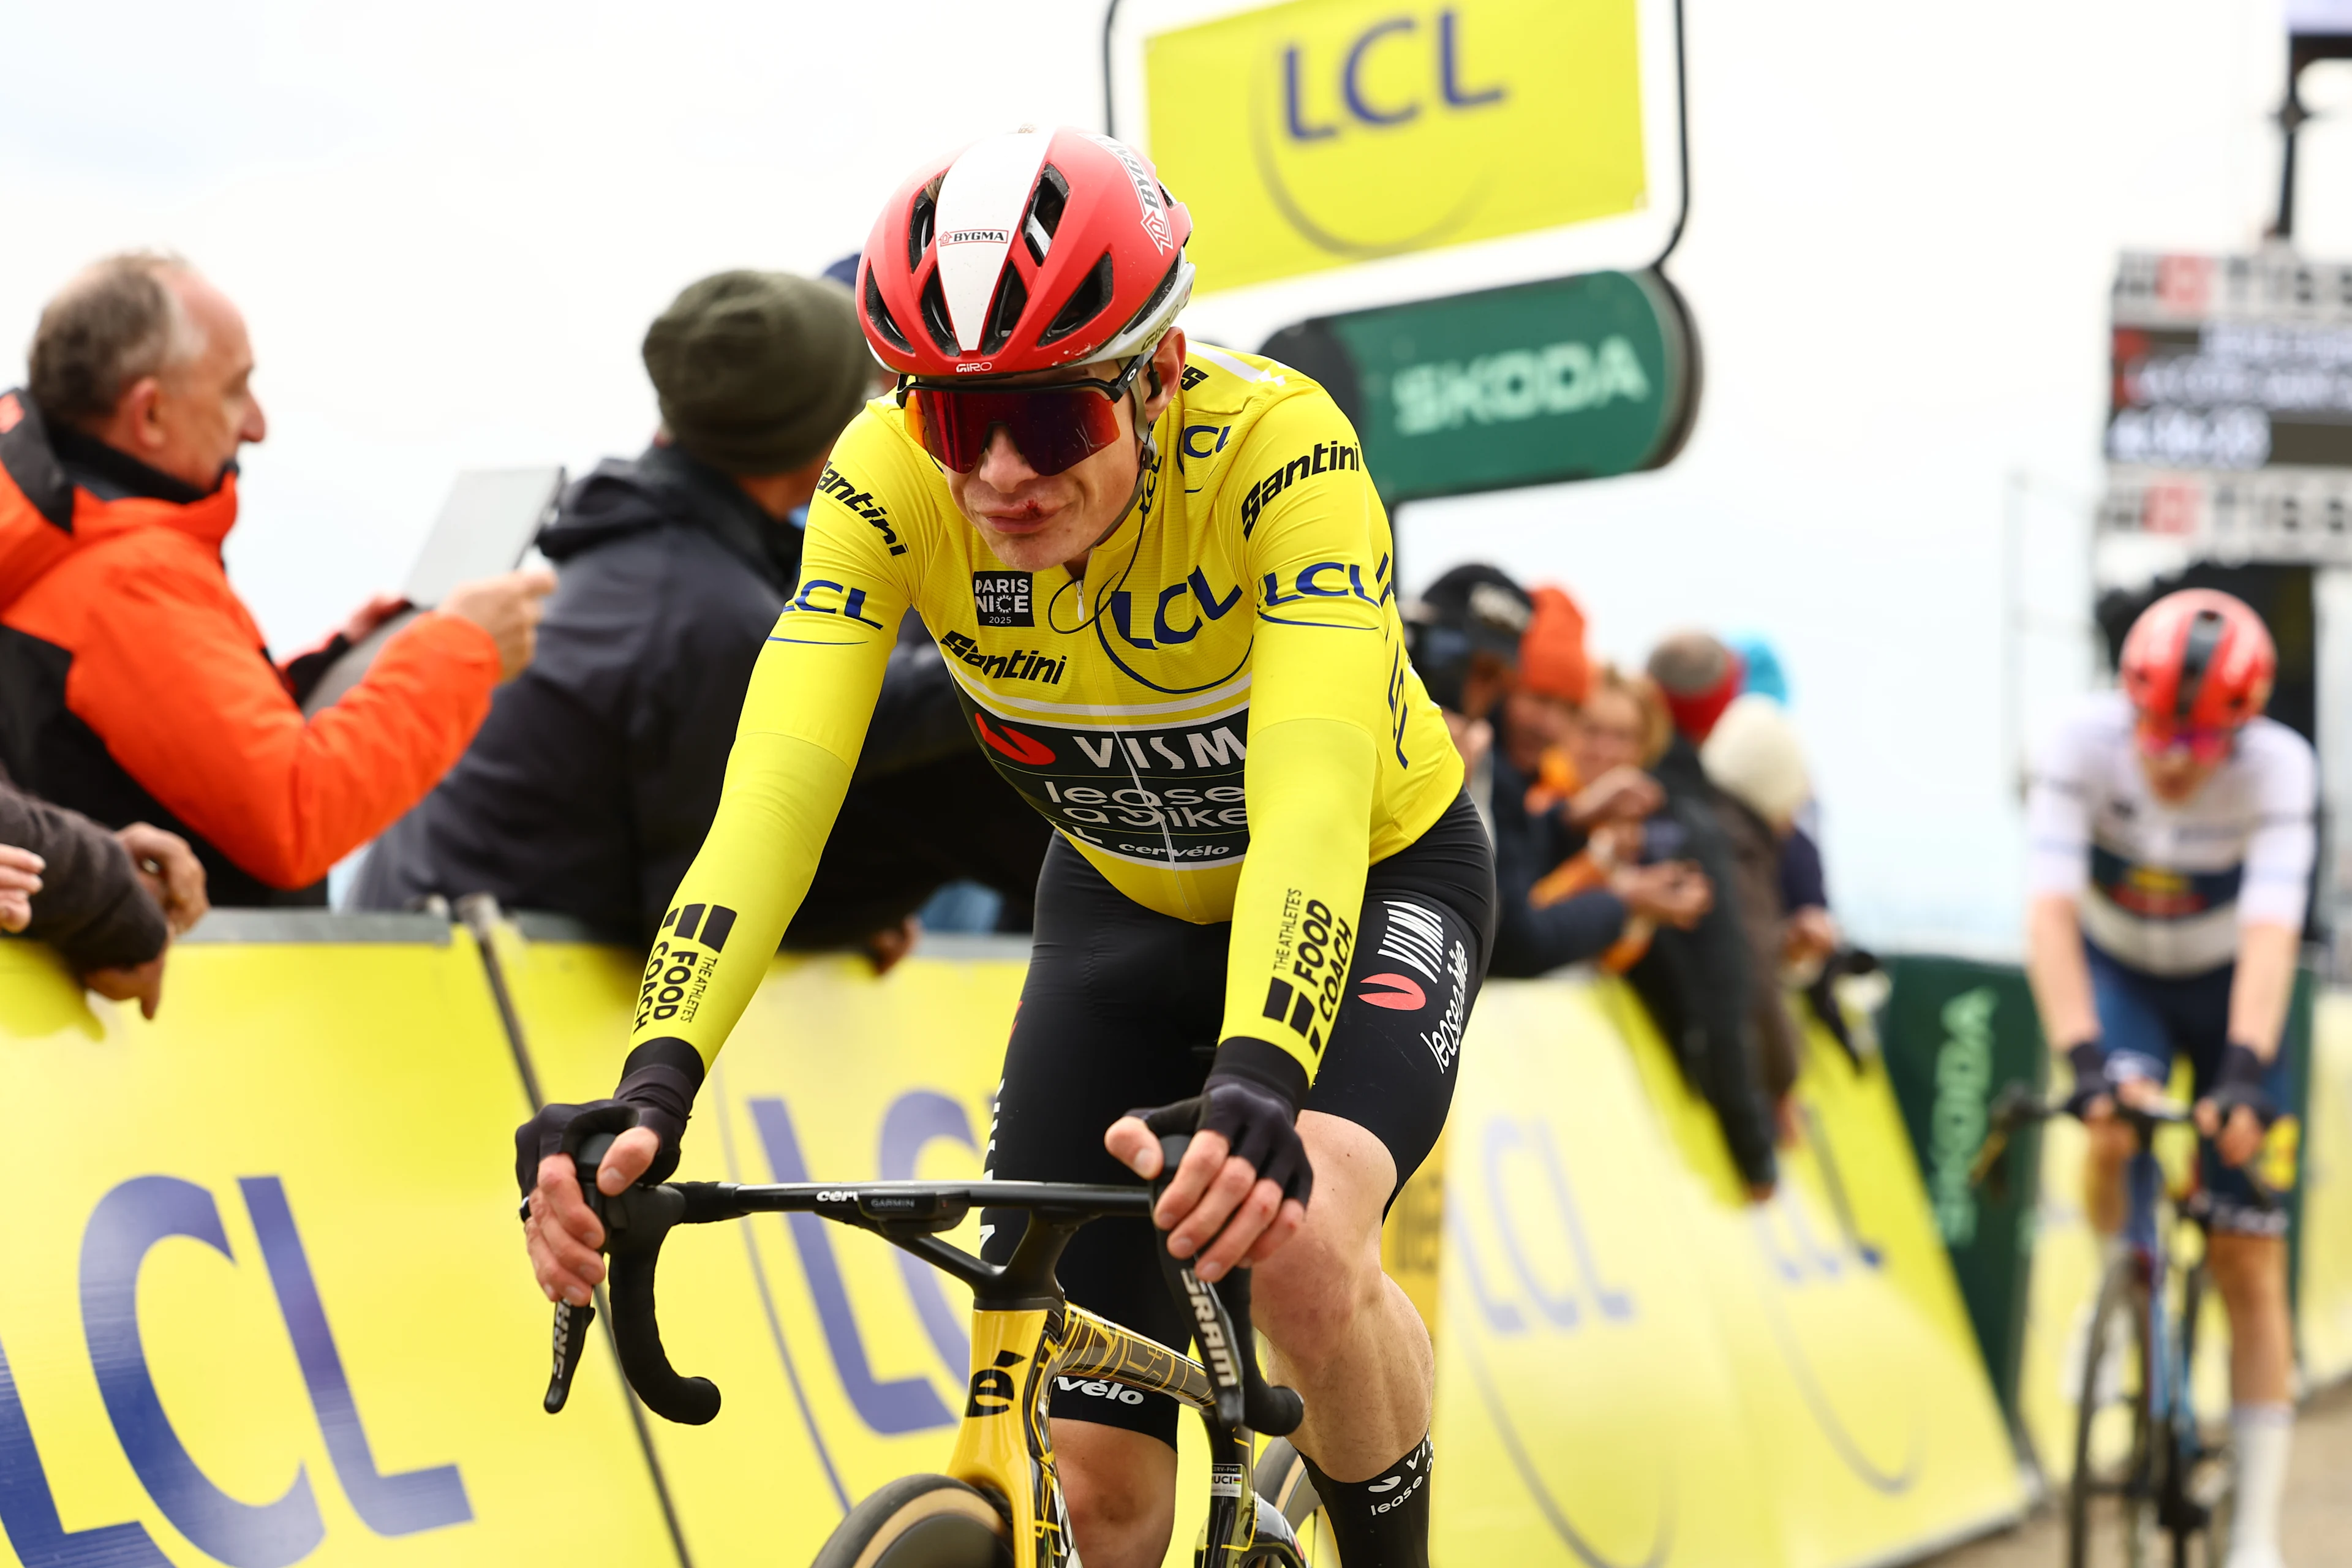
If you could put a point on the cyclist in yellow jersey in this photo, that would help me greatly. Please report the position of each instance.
(1164, 582)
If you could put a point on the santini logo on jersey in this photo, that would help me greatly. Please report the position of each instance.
(1025, 665)
(862, 502)
(1327, 457)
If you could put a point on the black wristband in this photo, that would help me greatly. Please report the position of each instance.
(1262, 1063)
(661, 1079)
(2089, 1061)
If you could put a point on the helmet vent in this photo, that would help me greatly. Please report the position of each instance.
(936, 319)
(1045, 219)
(1087, 301)
(920, 221)
(877, 316)
(1011, 298)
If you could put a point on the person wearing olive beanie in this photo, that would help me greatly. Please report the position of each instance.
(591, 782)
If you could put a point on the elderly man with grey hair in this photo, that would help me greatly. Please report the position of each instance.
(134, 685)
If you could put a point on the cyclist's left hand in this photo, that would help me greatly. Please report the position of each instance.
(1215, 1195)
(2236, 1140)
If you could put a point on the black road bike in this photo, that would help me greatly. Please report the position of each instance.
(2149, 1482)
(998, 1504)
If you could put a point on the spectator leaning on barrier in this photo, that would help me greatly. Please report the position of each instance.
(133, 682)
(594, 781)
(1753, 758)
(1569, 882)
(109, 902)
(1695, 984)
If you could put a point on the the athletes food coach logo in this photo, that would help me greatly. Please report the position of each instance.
(1002, 599)
(677, 972)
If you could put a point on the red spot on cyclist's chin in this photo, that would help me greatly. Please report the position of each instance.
(1399, 993)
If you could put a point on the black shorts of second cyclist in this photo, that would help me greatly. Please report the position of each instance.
(1120, 1011)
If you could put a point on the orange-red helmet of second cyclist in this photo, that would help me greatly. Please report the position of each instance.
(1025, 252)
(2199, 660)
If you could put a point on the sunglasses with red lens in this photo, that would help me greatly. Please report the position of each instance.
(1055, 426)
(2203, 743)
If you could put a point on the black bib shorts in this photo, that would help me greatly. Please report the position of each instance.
(1121, 1011)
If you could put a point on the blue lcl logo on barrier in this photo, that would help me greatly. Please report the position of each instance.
(125, 1227)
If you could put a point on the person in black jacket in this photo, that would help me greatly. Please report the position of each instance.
(109, 902)
(594, 781)
(1697, 985)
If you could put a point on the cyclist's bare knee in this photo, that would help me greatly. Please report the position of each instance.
(1310, 1293)
(2248, 1270)
(1121, 1490)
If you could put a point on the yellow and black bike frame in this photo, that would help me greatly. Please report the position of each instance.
(1024, 1334)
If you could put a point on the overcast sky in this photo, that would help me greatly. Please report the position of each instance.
(449, 224)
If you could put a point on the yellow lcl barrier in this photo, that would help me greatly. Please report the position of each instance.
(266, 1271)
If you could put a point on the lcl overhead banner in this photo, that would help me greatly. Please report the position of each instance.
(1340, 154)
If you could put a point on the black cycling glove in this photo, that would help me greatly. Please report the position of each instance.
(1251, 1099)
(2244, 1079)
(656, 1090)
(2089, 1061)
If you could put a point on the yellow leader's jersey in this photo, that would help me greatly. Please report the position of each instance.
(1219, 715)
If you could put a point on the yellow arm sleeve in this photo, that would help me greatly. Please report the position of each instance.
(803, 723)
(1319, 711)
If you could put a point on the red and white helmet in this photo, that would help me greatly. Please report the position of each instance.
(1024, 252)
(2199, 660)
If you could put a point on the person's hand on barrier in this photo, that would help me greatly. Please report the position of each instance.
(1672, 892)
(1241, 1191)
(1621, 795)
(509, 607)
(140, 983)
(20, 879)
(1811, 935)
(170, 872)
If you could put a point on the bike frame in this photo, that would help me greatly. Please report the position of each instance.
(2149, 1212)
(1024, 1333)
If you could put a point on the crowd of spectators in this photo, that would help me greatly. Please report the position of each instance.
(558, 748)
(559, 741)
(1652, 823)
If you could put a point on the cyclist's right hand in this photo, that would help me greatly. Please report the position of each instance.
(2092, 1099)
(563, 1233)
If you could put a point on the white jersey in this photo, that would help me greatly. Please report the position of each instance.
(2164, 887)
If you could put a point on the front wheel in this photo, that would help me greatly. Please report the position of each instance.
(2112, 1502)
(1283, 1485)
(919, 1522)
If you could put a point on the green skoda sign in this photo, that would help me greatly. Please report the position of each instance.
(1575, 378)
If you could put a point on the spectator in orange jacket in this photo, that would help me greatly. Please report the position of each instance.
(133, 681)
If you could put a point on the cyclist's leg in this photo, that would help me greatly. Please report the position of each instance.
(2246, 1254)
(2134, 1033)
(1119, 1010)
(1343, 1333)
